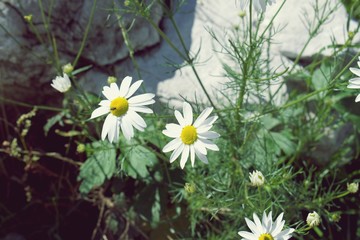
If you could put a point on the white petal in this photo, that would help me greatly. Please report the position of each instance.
(201, 156)
(124, 87)
(285, 234)
(111, 92)
(258, 223)
(180, 118)
(252, 226)
(200, 147)
(203, 128)
(152, 101)
(126, 128)
(188, 113)
(357, 99)
(278, 226)
(176, 153)
(247, 235)
(141, 109)
(105, 103)
(176, 128)
(116, 132)
(208, 144)
(208, 135)
(133, 88)
(192, 155)
(172, 145)
(210, 120)
(203, 115)
(184, 156)
(136, 118)
(109, 123)
(355, 80)
(170, 133)
(99, 112)
(355, 71)
(141, 98)
(111, 128)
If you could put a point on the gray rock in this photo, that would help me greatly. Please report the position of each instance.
(25, 60)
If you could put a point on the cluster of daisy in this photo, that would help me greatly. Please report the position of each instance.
(122, 107)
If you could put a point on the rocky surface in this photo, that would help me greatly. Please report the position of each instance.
(24, 58)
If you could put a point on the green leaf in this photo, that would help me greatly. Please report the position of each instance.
(137, 161)
(99, 166)
(283, 140)
(52, 121)
(321, 77)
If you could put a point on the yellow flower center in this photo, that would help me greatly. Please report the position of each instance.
(188, 135)
(119, 106)
(266, 236)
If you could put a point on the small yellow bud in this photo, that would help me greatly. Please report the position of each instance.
(351, 34)
(80, 148)
(335, 217)
(190, 187)
(28, 18)
(68, 68)
(242, 14)
(111, 79)
(353, 187)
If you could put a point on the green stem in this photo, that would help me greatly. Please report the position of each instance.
(31, 106)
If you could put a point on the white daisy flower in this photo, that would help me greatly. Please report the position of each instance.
(62, 84)
(256, 178)
(354, 83)
(258, 5)
(122, 107)
(191, 138)
(267, 229)
(313, 219)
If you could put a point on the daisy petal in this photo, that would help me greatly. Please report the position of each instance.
(109, 93)
(109, 123)
(105, 103)
(192, 155)
(133, 88)
(136, 118)
(141, 109)
(188, 114)
(252, 226)
(203, 115)
(176, 153)
(208, 135)
(142, 98)
(208, 144)
(111, 127)
(247, 235)
(176, 128)
(124, 87)
(184, 156)
(99, 112)
(170, 133)
(152, 101)
(355, 71)
(201, 156)
(172, 145)
(127, 128)
(180, 118)
(200, 147)
(357, 99)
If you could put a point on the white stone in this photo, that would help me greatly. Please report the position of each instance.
(220, 17)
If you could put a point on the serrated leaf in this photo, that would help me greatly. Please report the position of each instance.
(99, 166)
(137, 161)
(321, 77)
